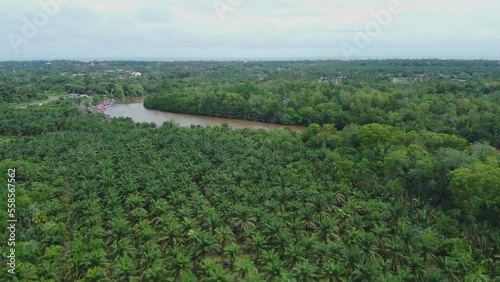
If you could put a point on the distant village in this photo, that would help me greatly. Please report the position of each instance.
(337, 80)
(119, 73)
(99, 108)
(415, 78)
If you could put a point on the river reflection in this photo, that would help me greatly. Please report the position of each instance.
(134, 108)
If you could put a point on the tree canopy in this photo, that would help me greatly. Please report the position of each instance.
(411, 194)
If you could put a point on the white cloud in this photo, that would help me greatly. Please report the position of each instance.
(256, 27)
(111, 7)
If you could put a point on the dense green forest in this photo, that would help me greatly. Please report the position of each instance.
(413, 97)
(407, 190)
(468, 109)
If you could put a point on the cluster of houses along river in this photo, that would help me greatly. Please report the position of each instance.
(100, 108)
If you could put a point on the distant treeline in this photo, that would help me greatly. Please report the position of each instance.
(28, 81)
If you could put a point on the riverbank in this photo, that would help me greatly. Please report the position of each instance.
(134, 108)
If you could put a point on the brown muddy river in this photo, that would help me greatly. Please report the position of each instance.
(134, 108)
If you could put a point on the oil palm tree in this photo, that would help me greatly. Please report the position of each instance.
(171, 234)
(122, 247)
(408, 234)
(273, 268)
(328, 229)
(293, 254)
(353, 257)
(320, 251)
(282, 241)
(297, 229)
(305, 271)
(417, 266)
(258, 243)
(368, 245)
(224, 235)
(368, 271)
(308, 218)
(96, 274)
(203, 243)
(179, 263)
(332, 271)
(150, 252)
(124, 268)
(478, 276)
(244, 267)
(77, 260)
(97, 258)
(243, 218)
(273, 226)
(155, 273)
(320, 207)
(230, 254)
(212, 220)
(119, 228)
(381, 232)
(395, 251)
(211, 271)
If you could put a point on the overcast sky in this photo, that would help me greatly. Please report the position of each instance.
(252, 29)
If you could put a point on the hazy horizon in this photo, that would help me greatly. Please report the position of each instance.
(312, 59)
